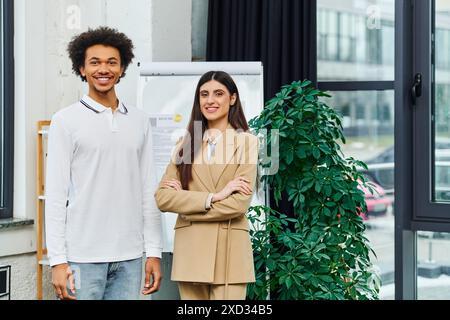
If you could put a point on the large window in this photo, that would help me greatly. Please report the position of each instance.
(355, 40)
(355, 64)
(6, 108)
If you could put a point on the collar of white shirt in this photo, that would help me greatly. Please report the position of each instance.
(212, 141)
(93, 105)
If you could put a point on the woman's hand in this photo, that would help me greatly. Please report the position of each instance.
(239, 184)
(172, 184)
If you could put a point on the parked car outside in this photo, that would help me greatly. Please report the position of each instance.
(378, 203)
(381, 169)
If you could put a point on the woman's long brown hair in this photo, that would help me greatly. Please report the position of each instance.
(236, 118)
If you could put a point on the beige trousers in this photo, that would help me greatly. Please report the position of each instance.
(206, 291)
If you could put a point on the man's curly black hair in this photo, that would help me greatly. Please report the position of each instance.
(102, 35)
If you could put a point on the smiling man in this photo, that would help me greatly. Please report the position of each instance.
(100, 210)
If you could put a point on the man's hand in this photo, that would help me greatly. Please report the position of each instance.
(153, 273)
(60, 274)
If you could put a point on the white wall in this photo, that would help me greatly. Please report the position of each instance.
(44, 82)
(171, 30)
(23, 277)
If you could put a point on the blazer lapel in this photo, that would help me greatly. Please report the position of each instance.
(224, 154)
(201, 167)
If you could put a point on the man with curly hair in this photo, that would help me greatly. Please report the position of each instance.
(100, 210)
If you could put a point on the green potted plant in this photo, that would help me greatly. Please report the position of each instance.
(321, 252)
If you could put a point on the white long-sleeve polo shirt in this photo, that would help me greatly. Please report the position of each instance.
(100, 163)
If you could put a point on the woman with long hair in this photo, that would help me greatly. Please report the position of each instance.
(209, 183)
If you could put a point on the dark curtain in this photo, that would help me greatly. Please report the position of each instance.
(280, 33)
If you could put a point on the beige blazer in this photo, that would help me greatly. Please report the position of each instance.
(206, 249)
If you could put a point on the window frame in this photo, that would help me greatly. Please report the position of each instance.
(428, 214)
(7, 108)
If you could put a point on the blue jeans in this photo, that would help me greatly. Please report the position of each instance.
(107, 281)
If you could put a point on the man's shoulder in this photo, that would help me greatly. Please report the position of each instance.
(68, 111)
(67, 117)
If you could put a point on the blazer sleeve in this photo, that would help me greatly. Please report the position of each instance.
(237, 204)
(181, 202)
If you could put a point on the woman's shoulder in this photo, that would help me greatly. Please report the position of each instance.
(246, 136)
(247, 141)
